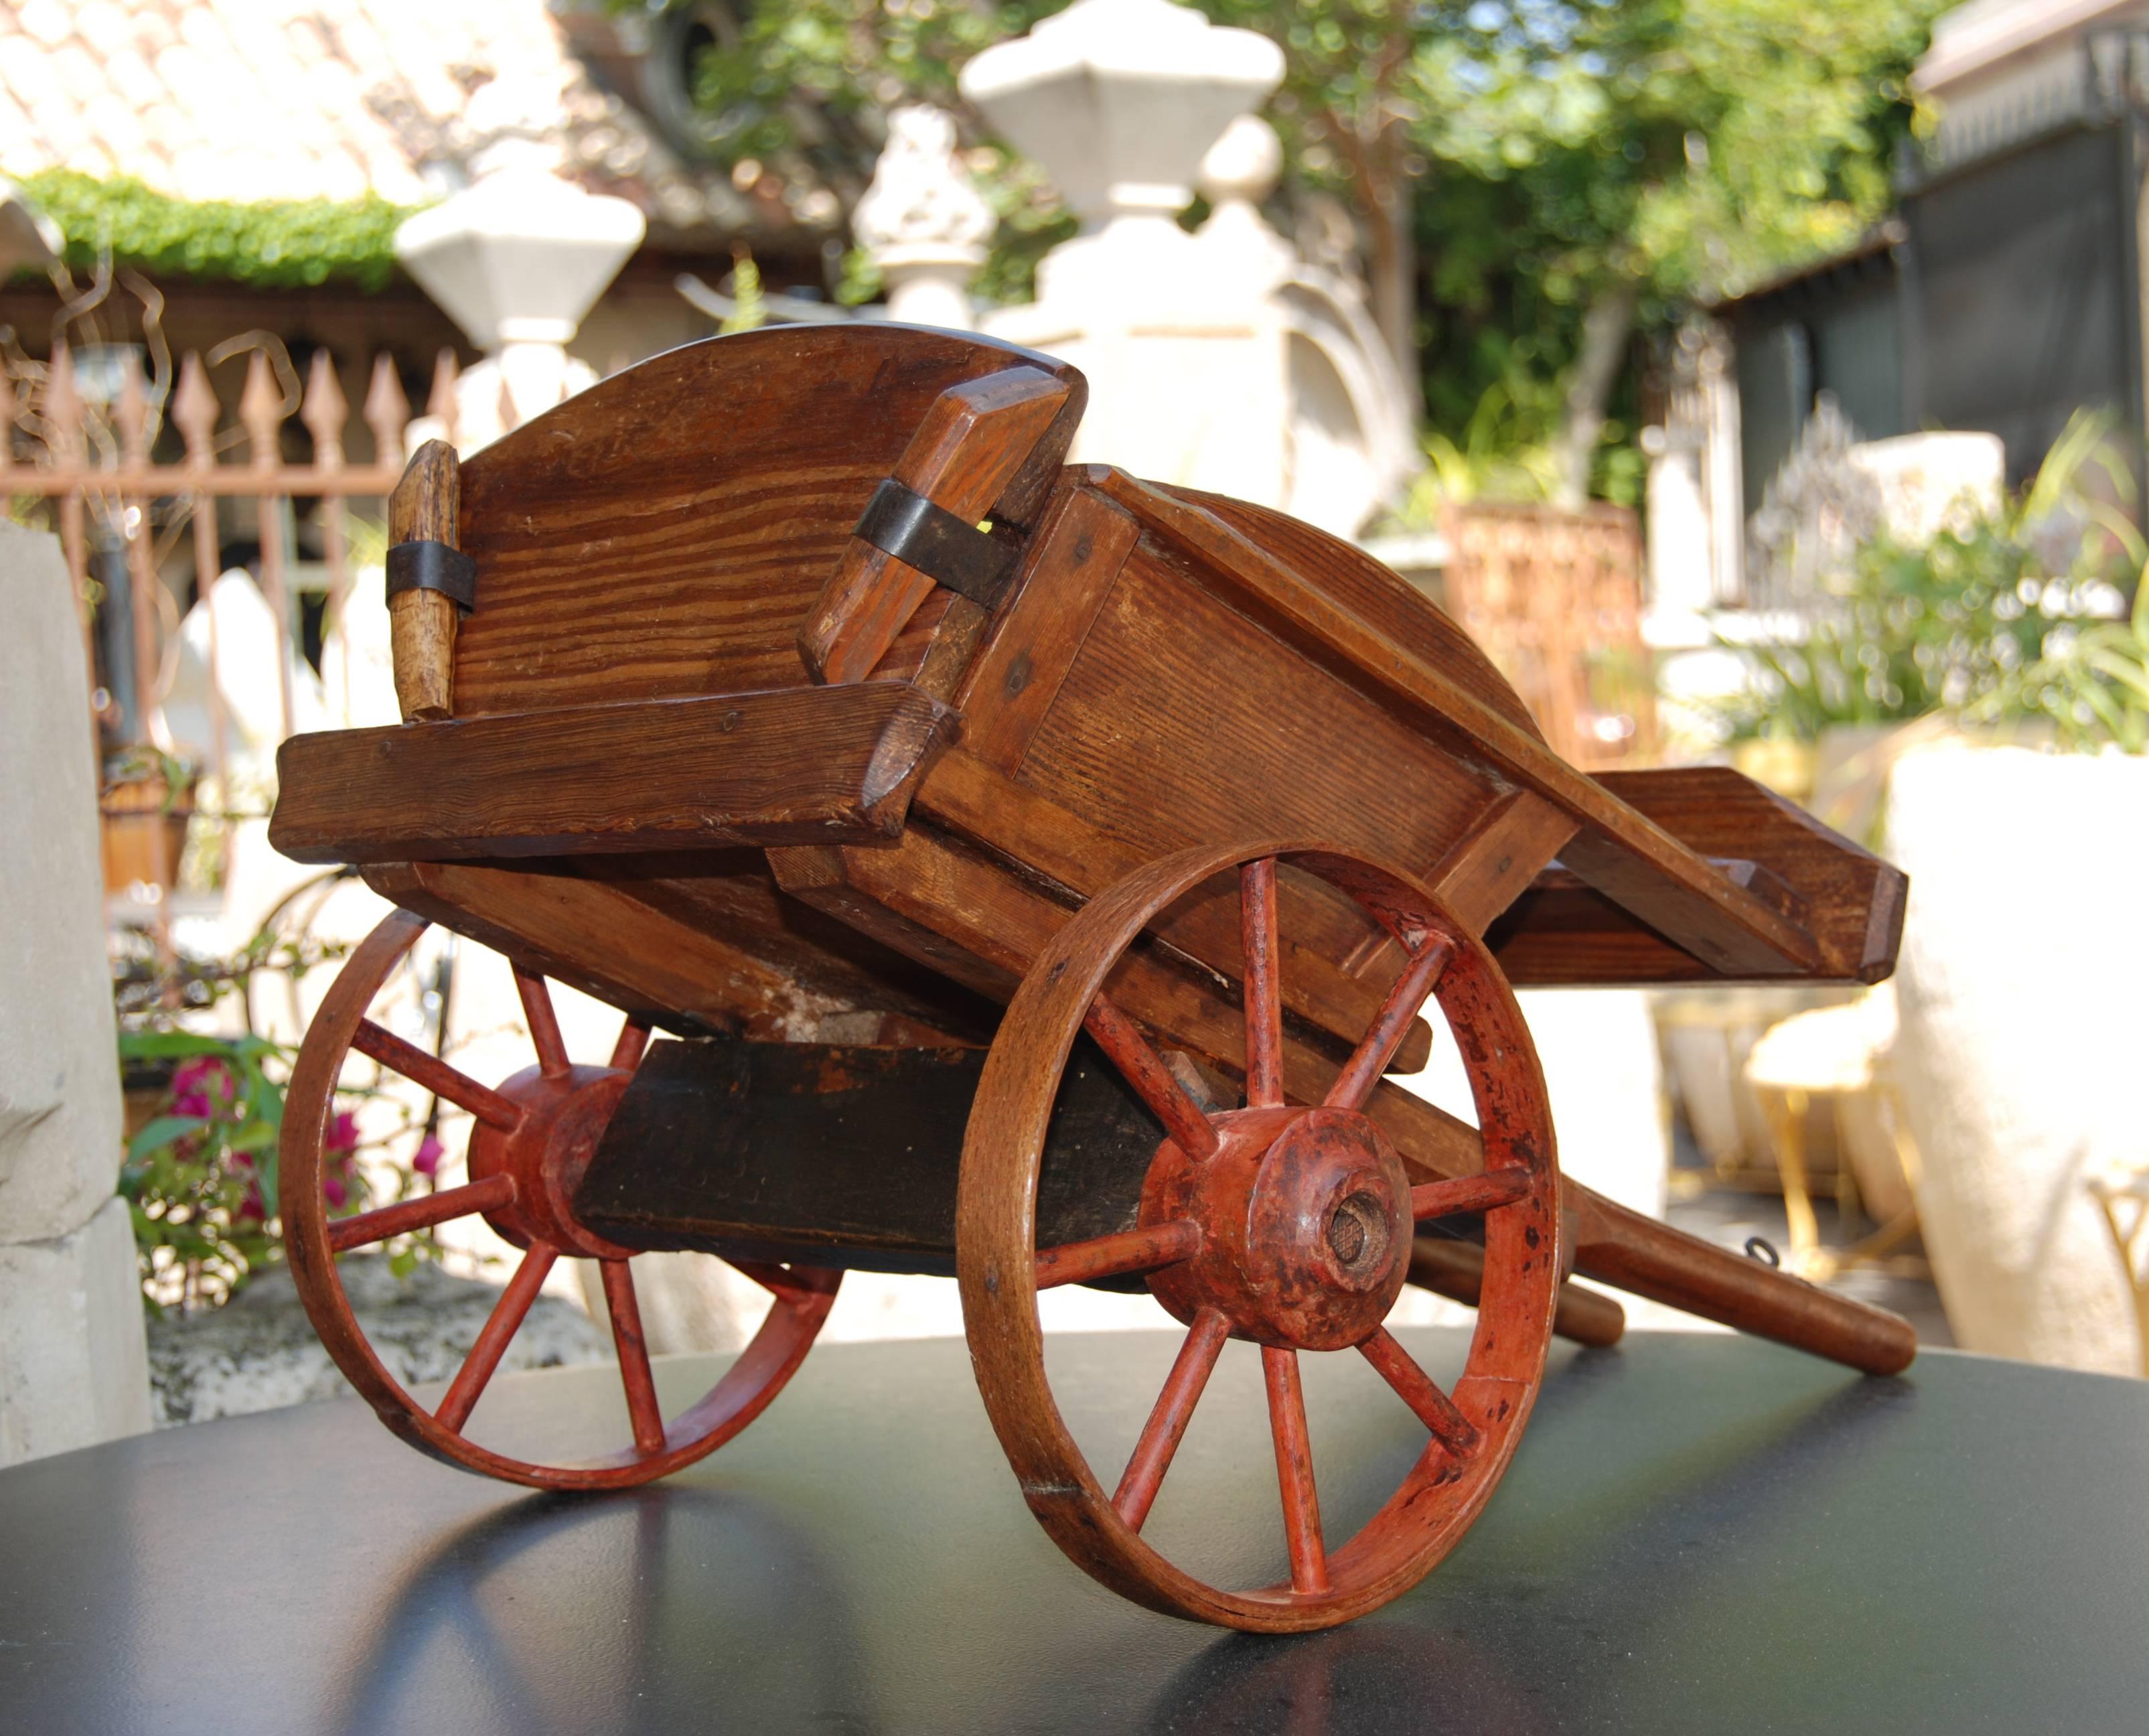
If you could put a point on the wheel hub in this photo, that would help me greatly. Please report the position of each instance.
(563, 1118)
(1306, 1223)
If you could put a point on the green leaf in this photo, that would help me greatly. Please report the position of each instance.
(161, 1132)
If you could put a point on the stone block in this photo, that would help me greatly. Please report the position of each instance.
(71, 1366)
(259, 1351)
(59, 1081)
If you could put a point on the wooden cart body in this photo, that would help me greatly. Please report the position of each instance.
(715, 759)
(809, 706)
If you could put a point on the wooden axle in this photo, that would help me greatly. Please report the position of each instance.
(843, 1156)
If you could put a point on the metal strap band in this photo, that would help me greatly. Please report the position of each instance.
(433, 566)
(937, 542)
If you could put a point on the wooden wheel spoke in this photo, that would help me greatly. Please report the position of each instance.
(1166, 1426)
(633, 1039)
(1355, 1083)
(544, 1023)
(1294, 1457)
(1142, 1068)
(1109, 1256)
(776, 1280)
(500, 1325)
(1434, 1408)
(1264, 987)
(435, 1075)
(642, 1409)
(423, 1213)
(1485, 1192)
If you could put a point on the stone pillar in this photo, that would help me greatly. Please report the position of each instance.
(924, 223)
(1221, 360)
(516, 259)
(72, 1368)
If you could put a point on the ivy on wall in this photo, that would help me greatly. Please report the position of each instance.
(278, 243)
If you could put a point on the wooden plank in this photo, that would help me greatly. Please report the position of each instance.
(607, 941)
(663, 535)
(1562, 932)
(844, 1155)
(1633, 860)
(788, 766)
(1183, 721)
(969, 445)
(600, 940)
(846, 987)
(1495, 863)
(1378, 596)
(955, 910)
(971, 799)
(1079, 553)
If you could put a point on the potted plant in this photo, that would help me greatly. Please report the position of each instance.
(146, 806)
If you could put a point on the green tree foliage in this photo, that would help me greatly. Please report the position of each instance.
(1518, 166)
(1636, 156)
(2000, 618)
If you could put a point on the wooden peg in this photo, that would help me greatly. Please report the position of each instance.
(426, 507)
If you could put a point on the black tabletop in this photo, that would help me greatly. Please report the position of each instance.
(1700, 1533)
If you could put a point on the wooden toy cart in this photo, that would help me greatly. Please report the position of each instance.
(788, 693)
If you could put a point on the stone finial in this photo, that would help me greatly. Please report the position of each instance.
(923, 222)
(519, 256)
(1240, 170)
(1120, 99)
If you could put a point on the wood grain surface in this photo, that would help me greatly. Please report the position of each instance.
(663, 534)
(974, 439)
(1851, 902)
(1630, 859)
(787, 766)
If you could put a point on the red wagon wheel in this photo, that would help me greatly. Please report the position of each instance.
(1289, 1225)
(534, 1134)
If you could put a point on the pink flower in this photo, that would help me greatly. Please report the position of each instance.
(252, 1207)
(201, 1087)
(431, 1151)
(333, 1189)
(343, 1133)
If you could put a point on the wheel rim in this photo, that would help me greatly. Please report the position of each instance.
(1278, 1222)
(531, 1137)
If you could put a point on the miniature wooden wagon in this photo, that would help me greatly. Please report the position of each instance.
(790, 685)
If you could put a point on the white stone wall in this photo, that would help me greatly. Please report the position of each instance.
(73, 1369)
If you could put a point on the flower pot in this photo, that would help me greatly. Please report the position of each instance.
(2020, 1057)
(141, 825)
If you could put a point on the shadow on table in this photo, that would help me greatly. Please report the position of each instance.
(1519, 1657)
(655, 1609)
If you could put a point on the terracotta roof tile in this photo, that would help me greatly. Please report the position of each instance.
(297, 99)
(48, 22)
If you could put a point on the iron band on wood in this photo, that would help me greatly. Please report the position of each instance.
(906, 525)
(433, 566)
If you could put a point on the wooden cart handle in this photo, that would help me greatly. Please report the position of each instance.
(1620, 1247)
